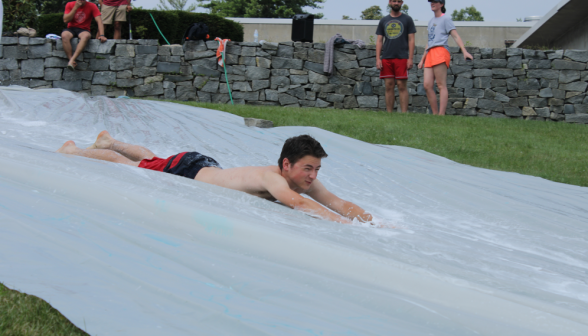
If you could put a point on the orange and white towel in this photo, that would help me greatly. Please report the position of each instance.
(222, 45)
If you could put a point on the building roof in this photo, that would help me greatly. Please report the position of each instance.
(555, 24)
(375, 22)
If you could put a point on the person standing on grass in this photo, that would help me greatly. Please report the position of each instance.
(396, 39)
(78, 16)
(437, 58)
(115, 10)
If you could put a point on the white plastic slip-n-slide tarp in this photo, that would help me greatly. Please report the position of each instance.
(121, 250)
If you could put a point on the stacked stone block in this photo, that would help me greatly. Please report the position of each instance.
(500, 83)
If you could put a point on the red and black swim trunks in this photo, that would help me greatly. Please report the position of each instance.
(186, 164)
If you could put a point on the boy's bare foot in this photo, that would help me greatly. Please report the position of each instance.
(69, 147)
(103, 141)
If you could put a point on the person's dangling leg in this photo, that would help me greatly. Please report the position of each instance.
(132, 152)
(69, 147)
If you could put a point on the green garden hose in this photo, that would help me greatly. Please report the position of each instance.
(223, 54)
(227, 78)
(156, 26)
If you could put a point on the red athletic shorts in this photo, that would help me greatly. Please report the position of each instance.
(394, 68)
(186, 164)
(436, 56)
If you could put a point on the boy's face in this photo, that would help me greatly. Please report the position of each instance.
(303, 172)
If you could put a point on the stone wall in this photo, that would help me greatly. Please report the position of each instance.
(501, 83)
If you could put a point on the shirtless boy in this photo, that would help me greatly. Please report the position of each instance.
(295, 174)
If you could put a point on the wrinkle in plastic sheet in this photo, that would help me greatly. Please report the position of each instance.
(122, 250)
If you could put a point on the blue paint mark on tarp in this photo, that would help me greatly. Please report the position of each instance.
(161, 240)
(214, 223)
(161, 205)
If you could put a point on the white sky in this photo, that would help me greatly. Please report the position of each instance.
(495, 10)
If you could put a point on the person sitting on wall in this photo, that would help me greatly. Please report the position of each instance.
(78, 16)
(115, 10)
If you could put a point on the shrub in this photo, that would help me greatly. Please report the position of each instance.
(172, 24)
(19, 13)
(50, 24)
(218, 26)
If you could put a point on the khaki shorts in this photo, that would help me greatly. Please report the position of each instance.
(109, 12)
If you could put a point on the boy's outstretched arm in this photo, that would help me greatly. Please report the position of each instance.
(341, 206)
(279, 189)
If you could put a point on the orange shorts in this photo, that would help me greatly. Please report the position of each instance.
(436, 56)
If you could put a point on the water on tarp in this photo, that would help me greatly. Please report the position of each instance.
(122, 250)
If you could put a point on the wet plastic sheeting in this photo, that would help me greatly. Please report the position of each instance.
(122, 250)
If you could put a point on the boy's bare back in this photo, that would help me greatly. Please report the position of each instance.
(246, 179)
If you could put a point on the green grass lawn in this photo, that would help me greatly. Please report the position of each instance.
(554, 151)
(27, 315)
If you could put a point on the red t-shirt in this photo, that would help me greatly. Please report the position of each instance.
(115, 3)
(83, 16)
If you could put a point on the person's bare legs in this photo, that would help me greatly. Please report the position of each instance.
(132, 152)
(440, 71)
(69, 147)
(390, 83)
(429, 85)
(66, 42)
(84, 37)
(117, 29)
(403, 94)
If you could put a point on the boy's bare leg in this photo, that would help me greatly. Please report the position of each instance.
(66, 37)
(132, 152)
(69, 147)
(403, 94)
(390, 98)
(84, 37)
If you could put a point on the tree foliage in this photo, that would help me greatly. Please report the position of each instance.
(19, 13)
(345, 17)
(260, 8)
(176, 5)
(467, 14)
(50, 6)
(372, 13)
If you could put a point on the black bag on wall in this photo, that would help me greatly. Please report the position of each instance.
(196, 32)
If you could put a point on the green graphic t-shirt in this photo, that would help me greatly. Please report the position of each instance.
(395, 31)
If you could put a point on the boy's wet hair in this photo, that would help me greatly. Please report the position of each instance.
(297, 147)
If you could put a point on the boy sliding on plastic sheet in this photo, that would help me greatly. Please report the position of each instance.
(296, 173)
(437, 57)
(78, 16)
(396, 40)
